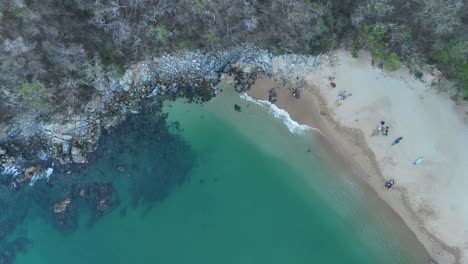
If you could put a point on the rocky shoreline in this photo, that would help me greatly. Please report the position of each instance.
(30, 149)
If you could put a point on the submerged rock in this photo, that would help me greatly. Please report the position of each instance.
(63, 213)
(62, 206)
(105, 198)
(29, 173)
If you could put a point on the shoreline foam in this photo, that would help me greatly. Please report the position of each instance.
(346, 126)
(293, 126)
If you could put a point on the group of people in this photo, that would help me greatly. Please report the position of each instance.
(383, 129)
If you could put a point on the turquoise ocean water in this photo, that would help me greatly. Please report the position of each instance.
(250, 193)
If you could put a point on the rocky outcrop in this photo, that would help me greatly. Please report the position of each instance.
(100, 198)
(66, 139)
(272, 95)
(63, 212)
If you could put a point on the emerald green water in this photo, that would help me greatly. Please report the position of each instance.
(253, 195)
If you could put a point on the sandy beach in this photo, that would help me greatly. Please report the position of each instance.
(430, 197)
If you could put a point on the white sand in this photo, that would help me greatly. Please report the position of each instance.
(432, 197)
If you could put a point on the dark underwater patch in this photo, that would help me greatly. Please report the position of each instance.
(143, 159)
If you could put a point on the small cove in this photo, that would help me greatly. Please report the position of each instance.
(247, 191)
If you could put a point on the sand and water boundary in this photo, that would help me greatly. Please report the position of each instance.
(347, 126)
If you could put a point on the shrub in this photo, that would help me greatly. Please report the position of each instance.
(320, 27)
(34, 93)
(211, 38)
(188, 42)
(197, 7)
(5, 113)
(442, 58)
(160, 34)
(374, 38)
(392, 63)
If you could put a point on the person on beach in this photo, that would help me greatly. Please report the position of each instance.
(342, 96)
(386, 131)
(381, 127)
(397, 141)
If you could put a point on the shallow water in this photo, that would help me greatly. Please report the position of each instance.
(236, 187)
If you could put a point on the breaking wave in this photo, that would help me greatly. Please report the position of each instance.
(279, 113)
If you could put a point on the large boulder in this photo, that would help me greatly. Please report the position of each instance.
(77, 155)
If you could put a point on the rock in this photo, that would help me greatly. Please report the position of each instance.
(13, 132)
(65, 148)
(272, 96)
(244, 80)
(63, 213)
(62, 206)
(126, 81)
(120, 168)
(105, 198)
(29, 173)
(173, 88)
(155, 91)
(189, 74)
(42, 155)
(237, 108)
(77, 155)
(67, 137)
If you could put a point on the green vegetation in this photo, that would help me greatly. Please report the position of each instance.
(452, 58)
(188, 42)
(35, 93)
(211, 38)
(416, 32)
(108, 54)
(70, 54)
(392, 62)
(160, 34)
(373, 38)
(320, 27)
(21, 13)
(197, 7)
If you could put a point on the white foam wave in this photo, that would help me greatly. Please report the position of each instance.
(11, 170)
(281, 114)
(41, 175)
